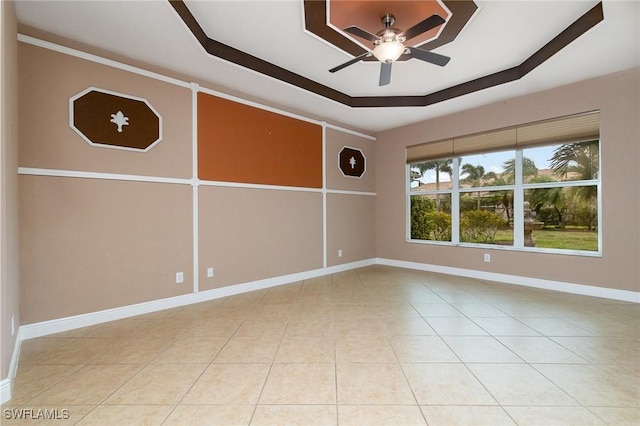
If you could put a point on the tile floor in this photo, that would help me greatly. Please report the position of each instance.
(377, 345)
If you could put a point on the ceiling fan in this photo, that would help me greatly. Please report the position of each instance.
(388, 45)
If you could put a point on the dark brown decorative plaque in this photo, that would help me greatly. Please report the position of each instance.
(352, 162)
(113, 120)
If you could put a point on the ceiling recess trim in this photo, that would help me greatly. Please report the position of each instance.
(228, 53)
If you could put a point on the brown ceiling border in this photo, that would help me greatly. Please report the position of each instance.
(223, 51)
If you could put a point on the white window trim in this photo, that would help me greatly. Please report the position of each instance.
(518, 188)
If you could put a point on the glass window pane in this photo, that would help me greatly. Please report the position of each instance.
(431, 175)
(561, 162)
(486, 217)
(492, 169)
(431, 217)
(562, 218)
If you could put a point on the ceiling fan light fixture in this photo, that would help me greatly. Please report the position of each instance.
(389, 51)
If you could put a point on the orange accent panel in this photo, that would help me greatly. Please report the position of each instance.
(240, 143)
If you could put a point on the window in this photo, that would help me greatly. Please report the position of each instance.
(532, 187)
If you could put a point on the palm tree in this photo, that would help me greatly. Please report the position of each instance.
(476, 176)
(439, 166)
(582, 160)
(529, 169)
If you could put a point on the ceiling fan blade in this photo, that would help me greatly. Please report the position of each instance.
(385, 73)
(424, 26)
(430, 57)
(357, 31)
(351, 62)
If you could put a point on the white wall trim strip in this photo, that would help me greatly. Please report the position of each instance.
(100, 175)
(585, 290)
(347, 192)
(195, 183)
(98, 59)
(258, 186)
(352, 132)
(44, 328)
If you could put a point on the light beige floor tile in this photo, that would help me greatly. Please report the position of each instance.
(371, 349)
(306, 349)
(134, 350)
(603, 350)
(540, 350)
(505, 327)
(210, 415)
(89, 385)
(305, 326)
(435, 310)
(594, 386)
(373, 384)
(455, 327)
(158, 384)
(536, 416)
(300, 384)
(403, 326)
(520, 384)
(253, 349)
(262, 327)
(214, 327)
(400, 415)
(81, 350)
(169, 327)
(554, 327)
(146, 415)
(446, 384)
(619, 416)
(43, 415)
(192, 350)
(235, 384)
(478, 310)
(295, 415)
(466, 415)
(32, 380)
(358, 326)
(480, 349)
(422, 349)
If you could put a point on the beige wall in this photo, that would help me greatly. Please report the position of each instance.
(9, 275)
(94, 244)
(88, 245)
(251, 234)
(617, 96)
(350, 225)
(48, 79)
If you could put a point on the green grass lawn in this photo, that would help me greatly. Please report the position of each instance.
(566, 239)
(569, 239)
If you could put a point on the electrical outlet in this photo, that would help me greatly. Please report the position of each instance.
(179, 277)
(487, 257)
(209, 272)
(13, 325)
(340, 253)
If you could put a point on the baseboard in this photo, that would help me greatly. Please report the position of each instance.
(5, 390)
(585, 290)
(59, 325)
(6, 385)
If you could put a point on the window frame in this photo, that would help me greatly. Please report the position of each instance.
(519, 188)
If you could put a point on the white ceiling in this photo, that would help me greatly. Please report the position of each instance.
(500, 35)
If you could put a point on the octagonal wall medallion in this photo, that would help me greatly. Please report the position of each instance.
(114, 120)
(352, 162)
